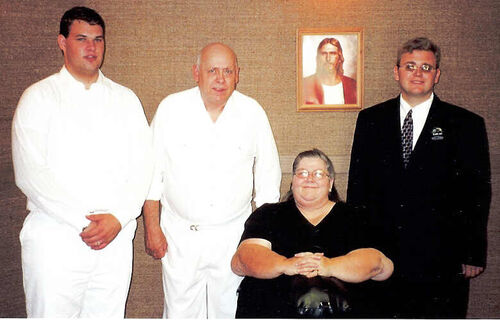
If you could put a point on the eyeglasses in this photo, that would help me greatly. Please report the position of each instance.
(411, 67)
(316, 174)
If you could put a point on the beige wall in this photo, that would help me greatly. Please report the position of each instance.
(151, 46)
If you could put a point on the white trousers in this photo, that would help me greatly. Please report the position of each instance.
(63, 277)
(197, 277)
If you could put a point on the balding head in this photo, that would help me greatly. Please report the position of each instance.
(217, 74)
(215, 46)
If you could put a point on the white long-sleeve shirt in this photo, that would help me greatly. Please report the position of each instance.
(205, 171)
(77, 150)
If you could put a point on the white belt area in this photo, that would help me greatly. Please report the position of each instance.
(195, 226)
(198, 227)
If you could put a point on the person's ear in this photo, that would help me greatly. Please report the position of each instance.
(61, 42)
(236, 76)
(196, 73)
(396, 73)
(438, 74)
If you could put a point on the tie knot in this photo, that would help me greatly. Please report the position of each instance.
(408, 115)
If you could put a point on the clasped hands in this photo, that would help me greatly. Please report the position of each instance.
(307, 264)
(102, 229)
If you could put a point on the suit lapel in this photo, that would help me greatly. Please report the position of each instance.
(431, 124)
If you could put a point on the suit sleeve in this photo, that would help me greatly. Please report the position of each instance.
(475, 179)
(358, 168)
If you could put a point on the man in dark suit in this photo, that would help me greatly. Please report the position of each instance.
(420, 168)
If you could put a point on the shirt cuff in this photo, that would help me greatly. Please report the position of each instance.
(155, 191)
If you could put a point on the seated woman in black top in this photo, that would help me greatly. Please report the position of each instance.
(299, 256)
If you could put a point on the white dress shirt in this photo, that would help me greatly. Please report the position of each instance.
(205, 171)
(78, 150)
(419, 115)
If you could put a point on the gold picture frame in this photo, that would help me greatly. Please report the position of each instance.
(329, 69)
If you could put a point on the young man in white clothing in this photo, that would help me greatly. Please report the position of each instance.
(82, 156)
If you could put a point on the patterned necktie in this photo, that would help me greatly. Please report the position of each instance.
(407, 138)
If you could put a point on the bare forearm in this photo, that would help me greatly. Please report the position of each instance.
(358, 266)
(258, 262)
(151, 214)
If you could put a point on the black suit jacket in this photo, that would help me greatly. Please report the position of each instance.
(430, 217)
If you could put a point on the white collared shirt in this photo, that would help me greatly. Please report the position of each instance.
(78, 150)
(205, 171)
(419, 115)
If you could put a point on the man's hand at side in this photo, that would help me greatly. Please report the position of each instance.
(471, 271)
(154, 238)
(155, 242)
